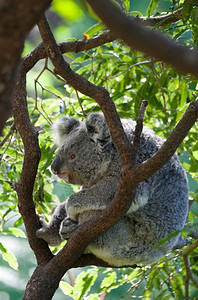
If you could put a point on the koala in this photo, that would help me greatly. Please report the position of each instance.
(88, 157)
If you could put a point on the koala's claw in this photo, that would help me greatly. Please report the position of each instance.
(42, 221)
(67, 227)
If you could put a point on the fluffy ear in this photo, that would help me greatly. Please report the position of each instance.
(98, 131)
(63, 127)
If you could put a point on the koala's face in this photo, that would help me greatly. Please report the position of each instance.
(84, 149)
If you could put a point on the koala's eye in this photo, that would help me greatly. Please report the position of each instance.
(72, 156)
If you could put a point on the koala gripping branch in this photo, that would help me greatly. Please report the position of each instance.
(46, 277)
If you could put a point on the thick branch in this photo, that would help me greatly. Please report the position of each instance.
(25, 185)
(46, 279)
(17, 17)
(158, 160)
(20, 15)
(76, 46)
(81, 45)
(145, 40)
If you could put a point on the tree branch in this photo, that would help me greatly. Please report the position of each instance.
(46, 278)
(158, 160)
(25, 15)
(82, 45)
(145, 40)
(25, 185)
(17, 17)
(189, 275)
(163, 20)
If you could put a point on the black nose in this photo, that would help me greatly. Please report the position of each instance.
(55, 166)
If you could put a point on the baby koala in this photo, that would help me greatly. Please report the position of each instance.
(88, 157)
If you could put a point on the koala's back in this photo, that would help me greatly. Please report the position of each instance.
(166, 191)
(160, 208)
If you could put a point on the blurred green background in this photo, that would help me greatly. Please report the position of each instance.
(69, 21)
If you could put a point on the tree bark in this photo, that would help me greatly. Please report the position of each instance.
(17, 17)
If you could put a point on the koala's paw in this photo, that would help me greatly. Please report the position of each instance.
(47, 233)
(67, 227)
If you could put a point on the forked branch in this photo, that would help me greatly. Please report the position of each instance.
(46, 277)
(43, 278)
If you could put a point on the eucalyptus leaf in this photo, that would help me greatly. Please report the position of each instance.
(9, 257)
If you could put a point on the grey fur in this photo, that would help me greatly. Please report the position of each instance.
(90, 159)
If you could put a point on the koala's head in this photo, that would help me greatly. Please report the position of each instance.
(84, 149)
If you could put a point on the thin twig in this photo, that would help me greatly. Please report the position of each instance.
(189, 275)
(79, 101)
(36, 81)
(132, 66)
(162, 92)
(190, 248)
(139, 127)
(12, 128)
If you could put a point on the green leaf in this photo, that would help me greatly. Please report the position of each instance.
(195, 154)
(18, 222)
(15, 231)
(54, 91)
(109, 280)
(168, 238)
(84, 282)
(69, 10)
(152, 7)
(184, 93)
(186, 9)
(95, 29)
(94, 297)
(134, 274)
(126, 4)
(9, 210)
(135, 13)
(9, 257)
(66, 288)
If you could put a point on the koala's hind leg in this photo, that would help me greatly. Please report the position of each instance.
(50, 232)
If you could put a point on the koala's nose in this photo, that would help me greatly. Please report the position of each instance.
(55, 166)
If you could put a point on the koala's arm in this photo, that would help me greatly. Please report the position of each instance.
(95, 198)
(50, 232)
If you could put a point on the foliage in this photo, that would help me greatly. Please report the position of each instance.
(130, 77)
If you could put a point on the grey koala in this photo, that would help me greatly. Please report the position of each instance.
(88, 157)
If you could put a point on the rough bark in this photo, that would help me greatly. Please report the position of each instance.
(17, 17)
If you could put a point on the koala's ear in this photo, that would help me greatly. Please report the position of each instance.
(63, 127)
(98, 131)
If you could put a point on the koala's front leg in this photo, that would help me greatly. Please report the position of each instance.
(91, 200)
(50, 232)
